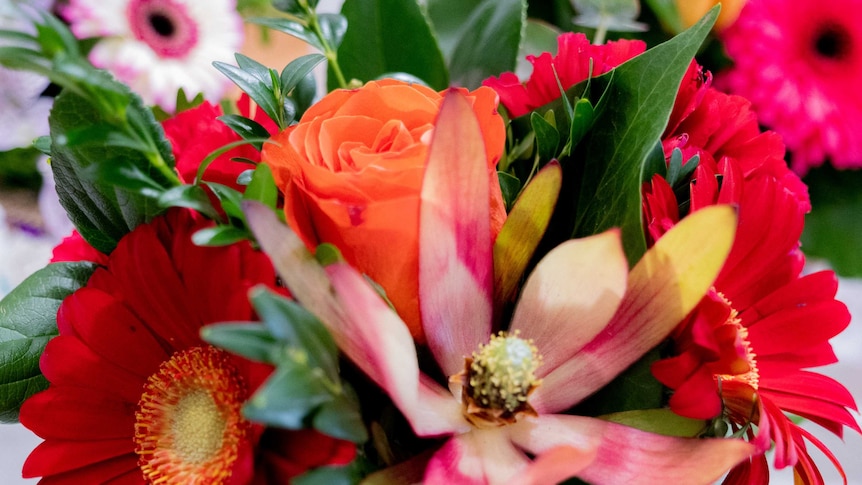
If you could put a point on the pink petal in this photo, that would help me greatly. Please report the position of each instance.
(361, 323)
(555, 466)
(479, 457)
(374, 338)
(629, 456)
(663, 287)
(573, 293)
(455, 265)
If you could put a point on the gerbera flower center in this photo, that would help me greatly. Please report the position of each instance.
(832, 41)
(189, 426)
(164, 25)
(498, 380)
(743, 368)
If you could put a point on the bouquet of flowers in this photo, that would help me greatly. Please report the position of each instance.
(484, 250)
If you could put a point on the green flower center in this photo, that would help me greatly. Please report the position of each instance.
(503, 373)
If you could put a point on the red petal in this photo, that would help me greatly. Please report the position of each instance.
(58, 456)
(74, 413)
(124, 468)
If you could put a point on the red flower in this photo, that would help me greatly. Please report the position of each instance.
(571, 65)
(135, 396)
(195, 133)
(74, 248)
(742, 354)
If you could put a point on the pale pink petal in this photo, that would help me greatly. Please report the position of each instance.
(478, 457)
(571, 296)
(377, 341)
(663, 287)
(361, 323)
(455, 265)
(555, 466)
(630, 456)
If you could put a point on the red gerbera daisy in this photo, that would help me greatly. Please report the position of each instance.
(743, 352)
(571, 65)
(135, 395)
(796, 65)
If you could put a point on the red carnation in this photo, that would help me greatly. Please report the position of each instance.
(571, 65)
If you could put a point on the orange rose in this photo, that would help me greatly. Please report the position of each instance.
(352, 170)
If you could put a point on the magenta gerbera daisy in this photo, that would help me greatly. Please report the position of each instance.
(797, 66)
(160, 46)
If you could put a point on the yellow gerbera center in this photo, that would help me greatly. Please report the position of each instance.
(189, 426)
(498, 380)
(743, 370)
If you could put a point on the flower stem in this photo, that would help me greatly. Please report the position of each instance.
(328, 50)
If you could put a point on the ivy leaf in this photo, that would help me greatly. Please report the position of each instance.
(28, 319)
(624, 133)
(389, 36)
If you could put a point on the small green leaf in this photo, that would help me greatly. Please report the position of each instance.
(246, 128)
(290, 394)
(123, 173)
(262, 187)
(510, 186)
(547, 136)
(259, 90)
(290, 27)
(333, 27)
(329, 475)
(327, 253)
(43, 144)
(660, 421)
(389, 36)
(288, 322)
(220, 236)
(250, 340)
(28, 319)
(341, 419)
(297, 70)
(230, 199)
(189, 196)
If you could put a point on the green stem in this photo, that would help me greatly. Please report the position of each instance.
(601, 32)
(328, 51)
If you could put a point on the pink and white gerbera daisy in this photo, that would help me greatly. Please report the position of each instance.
(797, 65)
(160, 46)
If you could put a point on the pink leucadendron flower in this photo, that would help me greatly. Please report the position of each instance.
(581, 319)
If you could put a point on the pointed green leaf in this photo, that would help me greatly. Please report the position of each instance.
(389, 36)
(250, 340)
(640, 98)
(660, 421)
(547, 136)
(290, 27)
(297, 70)
(189, 196)
(246, 128)
(262, 187)
(220, 236)
(341, 419)
(28, 319)
(290, 394)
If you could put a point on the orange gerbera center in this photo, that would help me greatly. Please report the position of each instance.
(189, 426)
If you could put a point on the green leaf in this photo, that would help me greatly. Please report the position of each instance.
(123, 173)
(547, 136)
(833, 229)
(333, 27)
(639, 98)
(327, 253)
(250, 340)
(297, 70)
(246, 128)
(510, 186)
(102, 211)
(487, 42)
(230, 199)
(389, 36)
(341, 419)
(539, 37)
(259, 90)
(28, 319)
(288, 322)
(189, 196)
(290, 27)
(290, 394)
(329, 475)
(220, 236)
(262, 187)
(660, 421)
